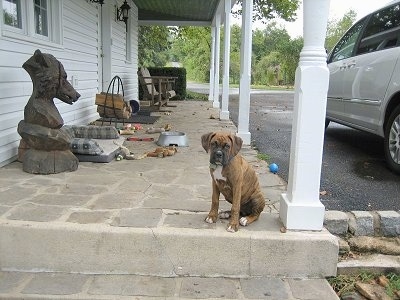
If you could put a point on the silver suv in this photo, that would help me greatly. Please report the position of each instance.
(364, 84)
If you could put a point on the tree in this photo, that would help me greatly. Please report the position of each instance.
(267, 70)
(265, 10)
(336, 28)
(234, 66)
(154, 43)
(289, 55)
(267, 40)
(191, 46)
(275, 55)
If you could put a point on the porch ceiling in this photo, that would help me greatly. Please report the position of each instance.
(176, 12)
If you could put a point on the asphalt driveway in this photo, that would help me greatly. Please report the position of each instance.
(354, 173)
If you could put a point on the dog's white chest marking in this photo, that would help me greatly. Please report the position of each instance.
(218, 174)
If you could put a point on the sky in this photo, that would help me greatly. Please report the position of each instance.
(337, 9)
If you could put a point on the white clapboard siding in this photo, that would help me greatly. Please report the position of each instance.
(79, 52)
(120, 65)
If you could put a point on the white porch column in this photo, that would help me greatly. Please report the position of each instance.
(245, 72)
(216, 60)
(212, 65)
(224, 113)
(300, 208)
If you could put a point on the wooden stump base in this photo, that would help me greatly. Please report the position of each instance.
(49, 162)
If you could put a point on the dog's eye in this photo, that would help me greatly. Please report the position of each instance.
(214, 144)
(227, 146)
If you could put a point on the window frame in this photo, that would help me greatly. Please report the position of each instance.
(48, 19)
(21, 30)
(384, 37)
(362, 23)
(28, 32)
(381, 39)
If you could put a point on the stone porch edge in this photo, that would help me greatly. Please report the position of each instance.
(363, 223)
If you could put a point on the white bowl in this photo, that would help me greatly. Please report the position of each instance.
(172, 138)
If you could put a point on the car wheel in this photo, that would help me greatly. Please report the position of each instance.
(392, 141)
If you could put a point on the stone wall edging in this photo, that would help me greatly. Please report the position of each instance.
(363, 223)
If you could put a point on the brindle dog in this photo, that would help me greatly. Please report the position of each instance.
(234, 178)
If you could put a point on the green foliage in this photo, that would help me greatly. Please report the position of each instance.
(336, 28)
(10, 19)
(263, 156)
(154, 43)
(343, 284)
(268, 39)
(289, 55)
(265, 10)
(180, 82)
(267, 70)
(234, 67)
(275, 56)
(394, 284)
(190, 95)
(192, 48)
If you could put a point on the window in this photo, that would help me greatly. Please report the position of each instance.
(344, 48)
(32, 20)
(382, 30)
(383, 20)
(12, 13)
(40, 17)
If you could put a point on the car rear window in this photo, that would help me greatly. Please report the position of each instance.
(382, 31)
(383, 20)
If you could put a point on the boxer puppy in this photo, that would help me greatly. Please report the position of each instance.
(234, 178)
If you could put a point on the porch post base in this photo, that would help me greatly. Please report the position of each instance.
(245, 136)
(224, 115)
(302, 216)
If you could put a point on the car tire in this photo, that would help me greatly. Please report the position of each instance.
(392, 141)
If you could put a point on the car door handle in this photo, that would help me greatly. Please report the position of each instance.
(351, 65)
(343, 67)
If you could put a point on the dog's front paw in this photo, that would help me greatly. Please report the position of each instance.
(232, 228)
(243, 221)
(210, 219)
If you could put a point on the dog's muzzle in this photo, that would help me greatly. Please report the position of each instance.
(218, 157)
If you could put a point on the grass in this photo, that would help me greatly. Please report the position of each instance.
(190, 95)
(394, 283)
(263, 156)
(271, 87)
(265, 87)
(196, 96)
(344, 284)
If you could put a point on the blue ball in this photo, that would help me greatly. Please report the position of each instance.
(273, 168)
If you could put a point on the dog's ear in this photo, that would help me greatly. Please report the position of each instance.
(41, 59)
(206, 139)
(36, 62)
(237, 143)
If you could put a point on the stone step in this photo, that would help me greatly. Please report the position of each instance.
(373, 263)
(19, 285)
(257, 250)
